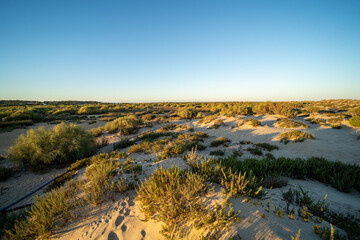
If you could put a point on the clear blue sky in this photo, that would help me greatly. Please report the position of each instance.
(137, 51)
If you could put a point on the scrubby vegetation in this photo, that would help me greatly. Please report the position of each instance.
(175, 198)
(343, 177)
(65, 143)
(253, 122)
(295, 136)
(355, 121)
(123, 125)
(220, 141)
(187, 113)
(290, 123)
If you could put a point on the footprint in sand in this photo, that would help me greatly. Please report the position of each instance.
(119, 220)
(112, 236)
(124, 228)
(143, 233)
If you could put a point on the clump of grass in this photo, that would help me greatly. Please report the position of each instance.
(266, 146)
(5, 173)
(253, 122)
(290, 123)
(46, 211)
(167, 127)
(316, 120)
(124, 144)
(97, 131)
(121, 185)
(295, 136)
(63, 144)
(274, 182)
(255, 151)
(220, 141)
(218, 152)
(216, 124)
(98, 176)
(207, 119)
(201, 134)
(246, 142)
(174, 197)
(154, 135)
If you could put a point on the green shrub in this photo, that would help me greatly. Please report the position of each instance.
(220, 141)
(254, 122)
(98, 176)
(46, 211)
(97, 131)
(290, 123)
(124, 144)
(267, 146)
(218, 152)
(187, 113)
(295, 136)
(173, 197)
(123, 125)
(63, 144)
(5, 173)
(255, 151)
(355, 121)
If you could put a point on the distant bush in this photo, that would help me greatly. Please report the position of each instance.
(267, 146)
(295, 135)
(355, 121)
(124, 144)
(187, 113)
(63, 144)
(123, 125)
(220, 141)
(316, 120)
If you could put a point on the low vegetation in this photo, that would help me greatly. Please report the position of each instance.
(220, 141)
(123, 125)
(65, 143)
(295, 136)
(253, 122)
(174, 197)
(290, 123)
(355, 121)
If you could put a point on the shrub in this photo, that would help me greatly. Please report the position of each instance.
(201, 134)
(220, 141)
(218, 152)
(123, 125)
(295, 136)
(290, 123)
(267, 146)
(98, 176)
(187, 113)
(255, 151)
(173, 197)
(5, 173)
(47, 210)
(97, 131)
(63, 144)
(355, 121)
(124, 144)
(254, 122)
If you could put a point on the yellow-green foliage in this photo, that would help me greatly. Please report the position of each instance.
(295, 135)
(187, 113)
(355, 121)
(290, 123)
(98, 176)
(254, 122)
(97, 131)
(62, 144)
(54, 206)
(174, 197)
(123, 125)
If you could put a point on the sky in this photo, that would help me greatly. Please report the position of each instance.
(198, 50)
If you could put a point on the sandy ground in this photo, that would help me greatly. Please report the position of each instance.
(121, 218)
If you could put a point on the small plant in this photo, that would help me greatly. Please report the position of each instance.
(255, 151)
(124, 144)
(290, 123)
(218, 152)
(245, 142)
(278, 212)
(297, 237)
(253, 122)
(120, 186)
(192, 157)
(295, 136)
(220, 141)
(267, 146)
(97, 131)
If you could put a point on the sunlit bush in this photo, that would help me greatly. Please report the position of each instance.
(62, 144)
